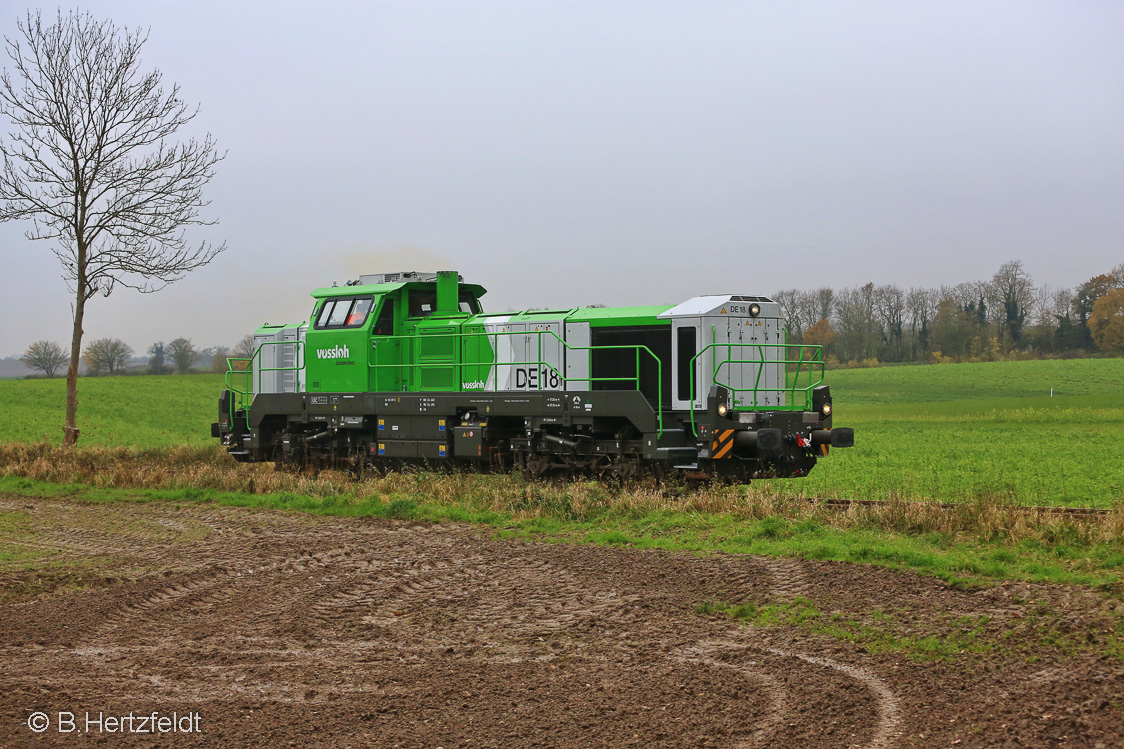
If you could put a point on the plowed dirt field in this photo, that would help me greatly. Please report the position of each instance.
(273, 629)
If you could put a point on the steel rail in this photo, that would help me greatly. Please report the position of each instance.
(840, 503)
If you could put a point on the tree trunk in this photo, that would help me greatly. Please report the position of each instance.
(70, 429)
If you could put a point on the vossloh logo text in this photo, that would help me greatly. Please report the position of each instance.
(336, 352)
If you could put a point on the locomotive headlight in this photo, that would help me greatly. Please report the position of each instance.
(718, 401)
(821, 401)
(754, 309)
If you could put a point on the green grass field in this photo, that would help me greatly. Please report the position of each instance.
(951, 432)
(958, 431)
(141, 411)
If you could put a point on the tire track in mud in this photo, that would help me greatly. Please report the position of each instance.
(76, 543)
(889, 707)
(443, 603)
(779, 700)
(788, 576)
(220, 580)
(709, 654)
(371, 585)
(253, 595)
(142, 538)
(790, 582)
(537, 595)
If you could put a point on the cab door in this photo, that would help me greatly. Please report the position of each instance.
(388, 373)
(688, 388)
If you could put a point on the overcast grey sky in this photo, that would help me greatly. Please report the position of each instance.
(569, 153)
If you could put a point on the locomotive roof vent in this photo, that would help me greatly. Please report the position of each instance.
(400, 277)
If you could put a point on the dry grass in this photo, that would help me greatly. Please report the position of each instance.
(990, 518)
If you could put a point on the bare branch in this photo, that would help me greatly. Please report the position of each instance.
(90, 161)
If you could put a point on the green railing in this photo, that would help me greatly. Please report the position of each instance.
(792, 368)
(251, 375)
(790, 388)
(493, 367)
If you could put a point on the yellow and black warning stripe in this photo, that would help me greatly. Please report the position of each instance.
(723, 444)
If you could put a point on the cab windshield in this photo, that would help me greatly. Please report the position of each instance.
(344, 313)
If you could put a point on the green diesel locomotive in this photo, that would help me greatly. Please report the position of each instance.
(399, 368)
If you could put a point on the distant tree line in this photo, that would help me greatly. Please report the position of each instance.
(1005, 317)
(1002, 318)
(112, 356)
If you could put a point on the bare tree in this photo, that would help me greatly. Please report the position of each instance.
(107, 355)
(91, 164)
(792, 311)
(922, 306)
(809, 309)
(889, 305)
(1062, 304)
(856, 329)
(962, 294)
(243, 354)
(219, 355)
(1043, 306)
(1014, 291)
(46, 356)
(183, 354)
(245, 348)
(824, 302)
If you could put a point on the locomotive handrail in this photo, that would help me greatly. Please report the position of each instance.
(792, 389)
(761, 361)
(493, 367)
(253, 374)
(817, 358)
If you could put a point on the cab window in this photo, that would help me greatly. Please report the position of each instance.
(358, 314)
(325, 313)
(339, 314)
(384, 325)
(422, 303)
(344, 313)
(469, 304)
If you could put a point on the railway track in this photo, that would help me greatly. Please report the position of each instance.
(1070, 511)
